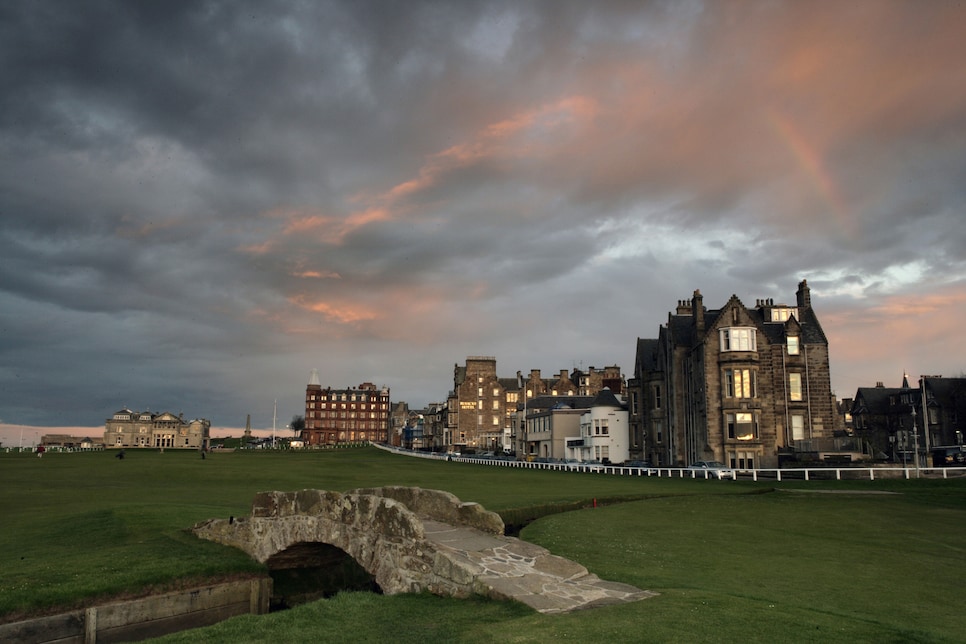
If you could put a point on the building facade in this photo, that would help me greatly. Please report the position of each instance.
(748, 386)
(482, 408)
(901, 424)
(136, 429)
(338, 416)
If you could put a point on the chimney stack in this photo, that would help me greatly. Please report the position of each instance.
(697, 303)
(804, 295)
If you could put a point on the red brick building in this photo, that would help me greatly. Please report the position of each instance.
(337, 416)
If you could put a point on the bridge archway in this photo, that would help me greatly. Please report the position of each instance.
(304, 572)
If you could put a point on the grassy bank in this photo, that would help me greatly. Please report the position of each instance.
(731, 560)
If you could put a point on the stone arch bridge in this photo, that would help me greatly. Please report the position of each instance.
(410, 540)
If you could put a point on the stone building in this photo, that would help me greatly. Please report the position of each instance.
(482, 407)
(353, 415)
(137, 429)
(891, 424)
(748, 386)
(479, 407)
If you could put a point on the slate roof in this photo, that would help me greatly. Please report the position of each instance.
(875, 400)
(549, 402)
(646, 359)
(606, 398)
(682, 328)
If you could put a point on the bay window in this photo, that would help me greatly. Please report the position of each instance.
(738, 339)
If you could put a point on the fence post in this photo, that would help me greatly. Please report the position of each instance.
(90, 625)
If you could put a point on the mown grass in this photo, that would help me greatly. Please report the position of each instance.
(731, 561)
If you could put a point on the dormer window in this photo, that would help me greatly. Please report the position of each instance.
(792, 344)
(738, 339)
(782, 313)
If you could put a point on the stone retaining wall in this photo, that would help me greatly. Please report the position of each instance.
(144, 618)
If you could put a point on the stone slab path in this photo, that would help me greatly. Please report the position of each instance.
(518, 570)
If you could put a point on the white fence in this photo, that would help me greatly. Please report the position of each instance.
(826, 473)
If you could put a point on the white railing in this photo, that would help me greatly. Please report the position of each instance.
(785, 474)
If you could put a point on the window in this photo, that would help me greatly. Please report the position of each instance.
(742, 460)
(798, 427)
(742, 426)
(794, 386)
(657, 396)
(496, 420)
(792, 344)
(740, 383)
(781, 314)
(738, 339)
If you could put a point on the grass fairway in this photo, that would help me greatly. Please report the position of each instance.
(730, 563)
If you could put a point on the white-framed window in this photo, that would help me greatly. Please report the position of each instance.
(740, 383)
(795, 386)
(792, 344)
(738, 339)
(782, 313)
(798, 427)
(742, 426)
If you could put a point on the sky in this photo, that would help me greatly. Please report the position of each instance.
(201, 202)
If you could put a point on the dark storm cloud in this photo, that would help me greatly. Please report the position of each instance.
(201, 201)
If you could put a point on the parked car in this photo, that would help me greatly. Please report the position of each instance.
(712, 469)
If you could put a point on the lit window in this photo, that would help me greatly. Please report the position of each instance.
(794, 386)
(738, 339)
(792, 345)
(740, 383)
(798, 427)
(781, 314)
(741, 426)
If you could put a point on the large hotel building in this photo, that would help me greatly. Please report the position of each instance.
(355, 415)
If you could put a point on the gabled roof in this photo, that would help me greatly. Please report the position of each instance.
(947, 392)
(875, 400)
(683, 332)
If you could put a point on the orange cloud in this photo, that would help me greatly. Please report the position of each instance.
(343, 312)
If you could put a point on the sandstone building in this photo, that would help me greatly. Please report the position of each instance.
(135, 429)
(355, 415)
(748, 386)
(482, 406)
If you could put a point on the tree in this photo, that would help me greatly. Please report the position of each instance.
(297, 424)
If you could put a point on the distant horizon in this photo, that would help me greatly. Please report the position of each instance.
(11, 435)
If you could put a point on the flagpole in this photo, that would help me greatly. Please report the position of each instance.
(274, 416)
